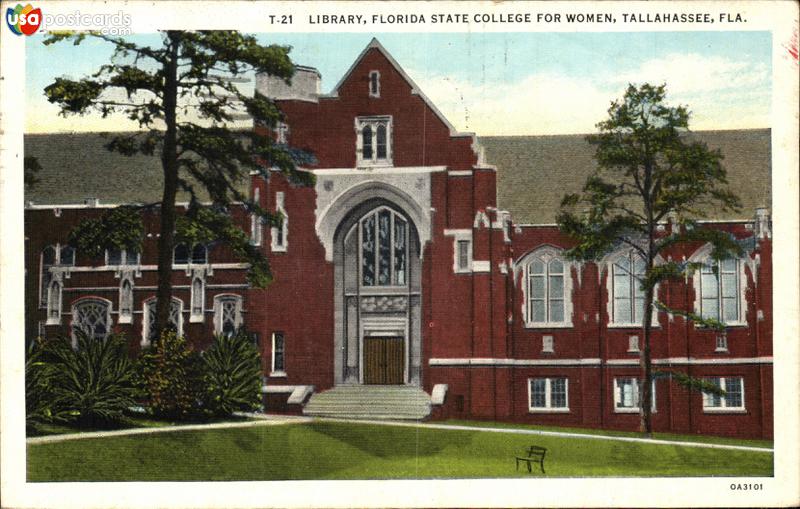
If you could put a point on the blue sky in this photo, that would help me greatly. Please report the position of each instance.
(501, 83)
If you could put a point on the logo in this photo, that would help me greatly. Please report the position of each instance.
(23, 20)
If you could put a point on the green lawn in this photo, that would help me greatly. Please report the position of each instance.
(331, 450)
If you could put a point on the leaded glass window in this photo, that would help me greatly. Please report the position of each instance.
(91, 317)
(546, 290)
(374, 145)
(384, 249)
(627, 272)
(126, 298)
(175, 321)
(733, 398)
(228, 314)
(548, 394)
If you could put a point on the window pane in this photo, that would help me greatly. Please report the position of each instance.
(384, 248)
(708, 285)
(67, 255)
(381, 142)
(556, 267)
(733, 389)
(366, 137)
(373, 83)
(558, 393)
(710, 308)
(729, 287)
(556, 287)
(126, 298)
(622, 310)
(730, 310)
(712, 400)
(399, 251)
(556, 310)
(463, 254)
(638, 310)
(537, 287)
(538, 310)
(49, 256)
(537, 267)
(538, 399)
(199, 254)
(624, 393)
(368, 251)
(622, 284)
(197, 297)
(278, 352)
(114, 257)
(728, 265)
(638, 266)
(91, 318)
(229, 316)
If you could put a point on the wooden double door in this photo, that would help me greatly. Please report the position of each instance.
(384, 360)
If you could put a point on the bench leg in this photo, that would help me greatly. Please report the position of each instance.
(529, 467)
(541, 464)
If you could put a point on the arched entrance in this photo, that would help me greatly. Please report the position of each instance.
(377, 285)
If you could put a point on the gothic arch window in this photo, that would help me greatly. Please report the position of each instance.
(227, 314)
(383, 239)
(719, 287)
(547, 288)
(54, 302)
(149, 332)
(126, 301)
(92, 317)
(197, 300)
(55, 255)
(626, 270)
(183, 254)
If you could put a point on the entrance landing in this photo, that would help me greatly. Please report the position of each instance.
(395, 402)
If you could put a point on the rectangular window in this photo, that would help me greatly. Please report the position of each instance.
(722, 343)
(633, 344)
(548, 395)
(278, 354)
(374, 141)
(463, 255)
(121, 257)
(733, 400)
(627, 395)
(374, 84)
(280, 232)
(547, 344)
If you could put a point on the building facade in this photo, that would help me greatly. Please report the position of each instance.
(412, 262)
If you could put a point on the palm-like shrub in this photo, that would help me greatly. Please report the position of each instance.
(42, 405)
(171, 378)
(232, 375)
(94, 382)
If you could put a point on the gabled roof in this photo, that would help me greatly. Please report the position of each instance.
(374, 44)
(535, 172)
(77, 166)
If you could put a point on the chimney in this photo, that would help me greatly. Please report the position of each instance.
(305, 85)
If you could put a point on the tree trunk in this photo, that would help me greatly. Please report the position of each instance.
(169, 163)
(646, 388)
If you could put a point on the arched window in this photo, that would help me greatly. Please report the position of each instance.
(196, 255)
(54, 302)
(92, 317)
(126, 301)
(198, 300)
(227, 314)
(380, 145)
(175, 319)
(547, 289)
(384, 248)
(626, 297)
(719, 287)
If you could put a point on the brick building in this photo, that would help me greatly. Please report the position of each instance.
(416, 280)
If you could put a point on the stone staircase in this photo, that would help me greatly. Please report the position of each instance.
(392, 402)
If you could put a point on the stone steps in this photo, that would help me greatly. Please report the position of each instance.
(395, 402)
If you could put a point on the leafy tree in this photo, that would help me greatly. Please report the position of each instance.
(183, 95)
(31, 167)
(170, 376)
(232, 375)
(42, 405)
(649, 171)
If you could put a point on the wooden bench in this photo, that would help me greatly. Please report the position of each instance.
(535, 455)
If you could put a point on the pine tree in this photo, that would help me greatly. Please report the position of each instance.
(183, 95)
(649, 171)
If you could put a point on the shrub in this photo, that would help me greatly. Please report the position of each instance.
(41, 403)
(171, 377)
(92, 384)
(232, 375)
